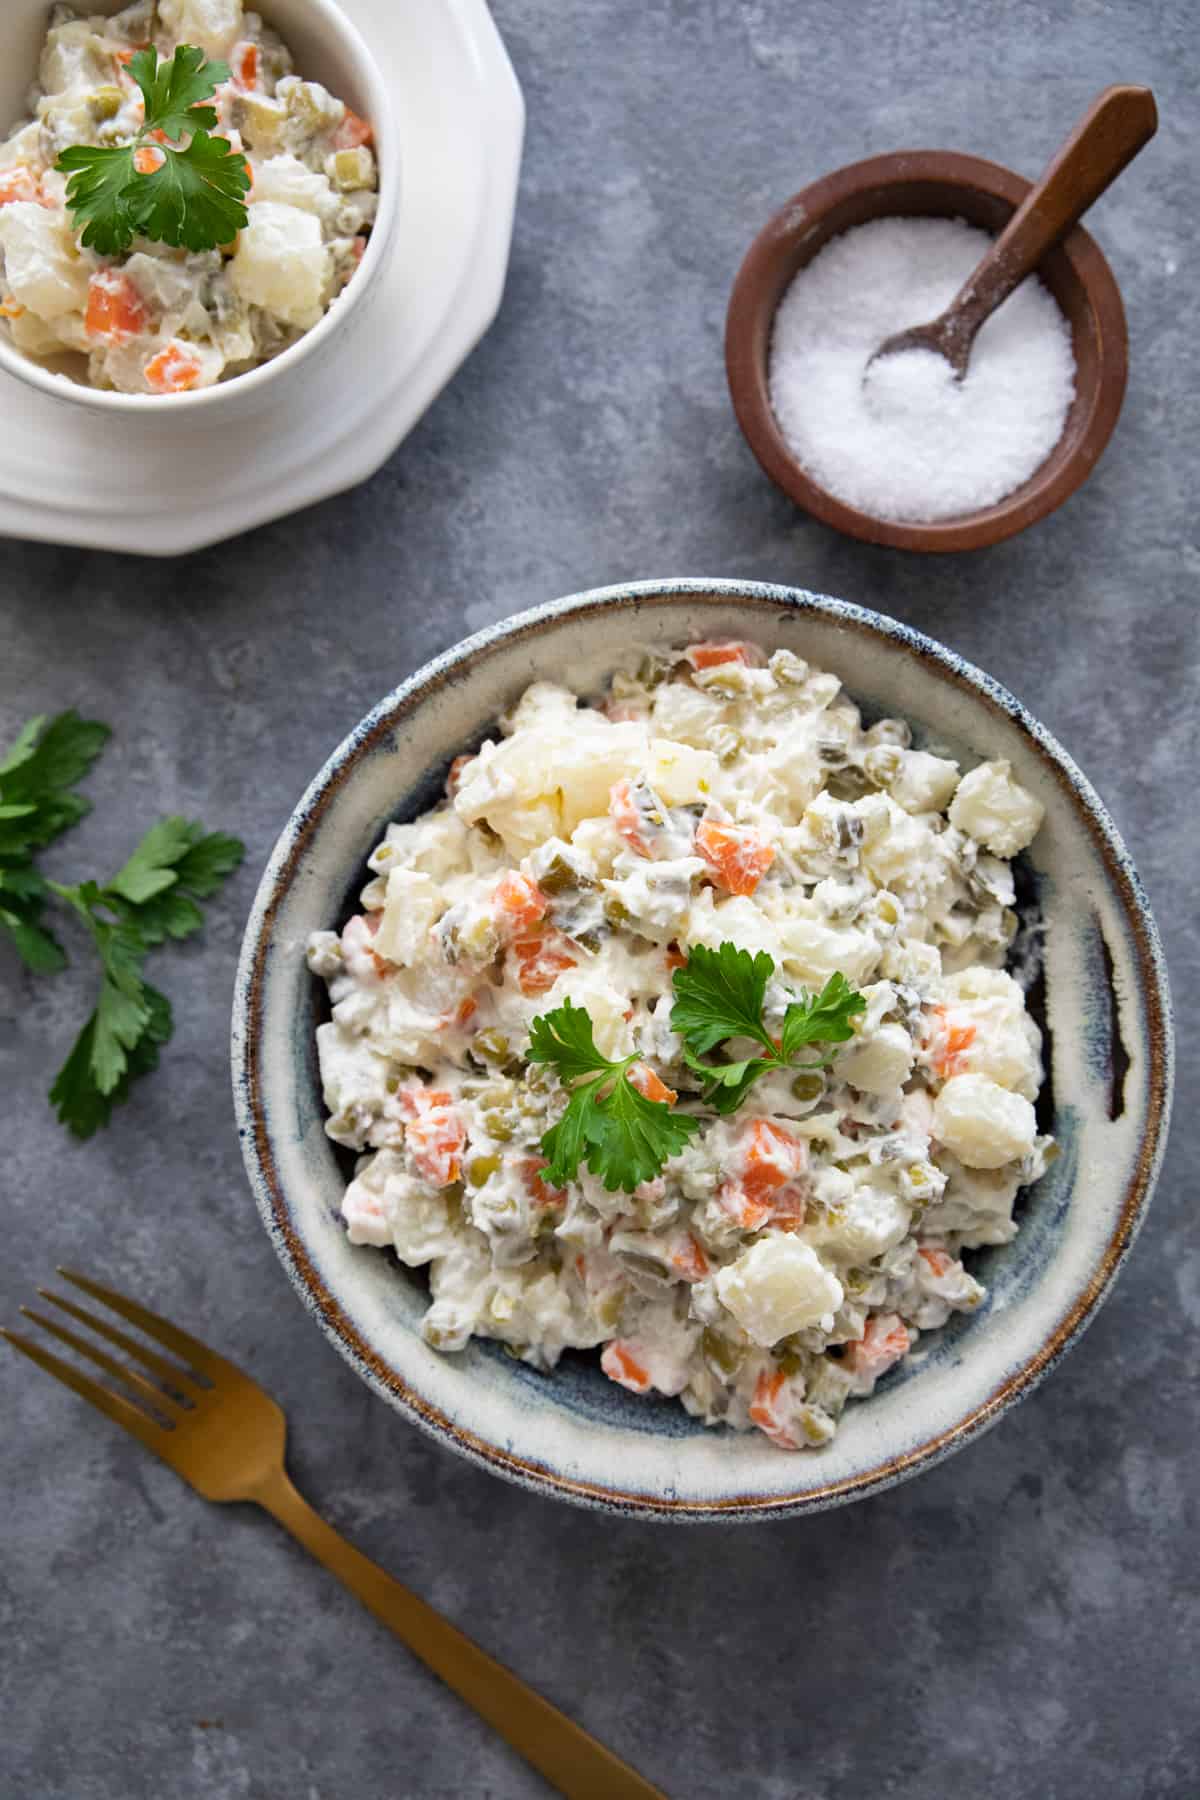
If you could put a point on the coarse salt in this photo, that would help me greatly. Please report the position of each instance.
(907, 441)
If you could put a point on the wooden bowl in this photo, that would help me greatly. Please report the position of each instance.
(937, 184)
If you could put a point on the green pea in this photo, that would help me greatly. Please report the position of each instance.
(808, 1086)
(490, 1046)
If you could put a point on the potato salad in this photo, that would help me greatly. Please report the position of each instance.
(163, 320)
(713, 931)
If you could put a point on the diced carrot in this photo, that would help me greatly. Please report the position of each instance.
(620, 1365)
(712, 654)
(435, 1135)
(519, 901)
(689, 1260)
(951, 1044)
(352, 132)
(11, 309)
(643, 1078)
(675, 958)
(765, 1192)
(764, 1409)
(454, 774)
(244, 63)
(115, 312)
(884, 1342)
(540, 962)
(358, 245)
(788, 1209)
(148, 159)
(747, 1214)
(176, 370)
(124, 57)
(736, 856)
(938, 1261)
(160, 136)
(19, 183)
(530, 1169)
(772, 1158)
(625, 816)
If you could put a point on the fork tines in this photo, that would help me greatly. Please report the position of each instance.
(157, 1402)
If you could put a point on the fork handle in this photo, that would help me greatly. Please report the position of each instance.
(571, 1760)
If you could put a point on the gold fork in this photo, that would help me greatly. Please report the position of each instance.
(225, 1436)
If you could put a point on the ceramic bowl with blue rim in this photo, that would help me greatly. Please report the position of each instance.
(1100, 996)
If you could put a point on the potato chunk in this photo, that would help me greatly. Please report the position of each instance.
(282, 264)
(983, 1124)
(996, 810)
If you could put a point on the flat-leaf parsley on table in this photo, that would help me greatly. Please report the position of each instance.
(194, 197)
(154, 896)
(623, 1137)
(720, 995)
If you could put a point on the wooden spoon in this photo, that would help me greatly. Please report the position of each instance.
(1119, 122)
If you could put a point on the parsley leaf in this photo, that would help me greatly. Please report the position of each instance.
(194, 198)
(719, 995)
(176, 864)
(152, 897)
(37, 804)
(100, 176)
(174, 90)
(824, 1019)
(623, 1137)
(630, 1137)
(75, 1096)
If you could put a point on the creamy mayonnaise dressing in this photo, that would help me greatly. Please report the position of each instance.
(794, 1250)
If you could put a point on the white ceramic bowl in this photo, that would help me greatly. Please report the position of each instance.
(328, 48)
(575, 1434)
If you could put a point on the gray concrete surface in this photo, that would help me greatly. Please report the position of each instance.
(1023, 1621)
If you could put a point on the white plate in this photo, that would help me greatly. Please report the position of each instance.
(70, 478)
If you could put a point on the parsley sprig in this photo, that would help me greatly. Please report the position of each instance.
(154, 896)
(194, 199)
(37, 804)
(720, 994)
(623, 1137)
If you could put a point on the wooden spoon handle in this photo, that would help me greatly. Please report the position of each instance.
(1108, 137)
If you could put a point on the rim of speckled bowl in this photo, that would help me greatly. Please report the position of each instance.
(201, 403)
(247, 1047)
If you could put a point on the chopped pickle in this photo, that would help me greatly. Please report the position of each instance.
(350, 169)
(105, 103)
(652, 671)
(723, 1357)
(558, 877)
(490, 1047)
(481, 1169)
(882, 764)
(788, 668)
(890, 731)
